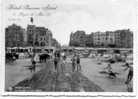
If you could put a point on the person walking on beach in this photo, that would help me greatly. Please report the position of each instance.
(129, 77)
(63, 65)
(78, 63)
(73, 62)
(130, 73)
(33, 67)
(56, 60)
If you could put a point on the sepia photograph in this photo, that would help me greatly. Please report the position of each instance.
(69, 45)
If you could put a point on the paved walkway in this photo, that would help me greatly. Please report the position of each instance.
(50, 81)
(17, 72)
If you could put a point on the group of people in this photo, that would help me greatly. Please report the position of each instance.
(129, 75)
(57, 57)
(11, 57)
(61, 57)
(128, 67)
(60, 61)
(76, 62)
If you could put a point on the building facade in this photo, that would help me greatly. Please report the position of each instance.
(40, 36)
(31, 32)
(14, 36)
(78, 39)
(119, 38)
(110, 39)
(89, 40)
(99, 39)
(43, 37)
(124, 38)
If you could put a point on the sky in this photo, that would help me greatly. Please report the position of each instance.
(73, 15)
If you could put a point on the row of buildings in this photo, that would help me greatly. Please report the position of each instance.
(16, 36)
(118, 38)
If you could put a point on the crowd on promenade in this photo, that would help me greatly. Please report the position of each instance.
(76, 66)
(59, 60)
(61, 57)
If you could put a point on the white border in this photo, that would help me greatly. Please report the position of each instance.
(68, 94)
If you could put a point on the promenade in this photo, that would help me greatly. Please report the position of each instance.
(47, 79)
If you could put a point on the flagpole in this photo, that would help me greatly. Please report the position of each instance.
(32, 20)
